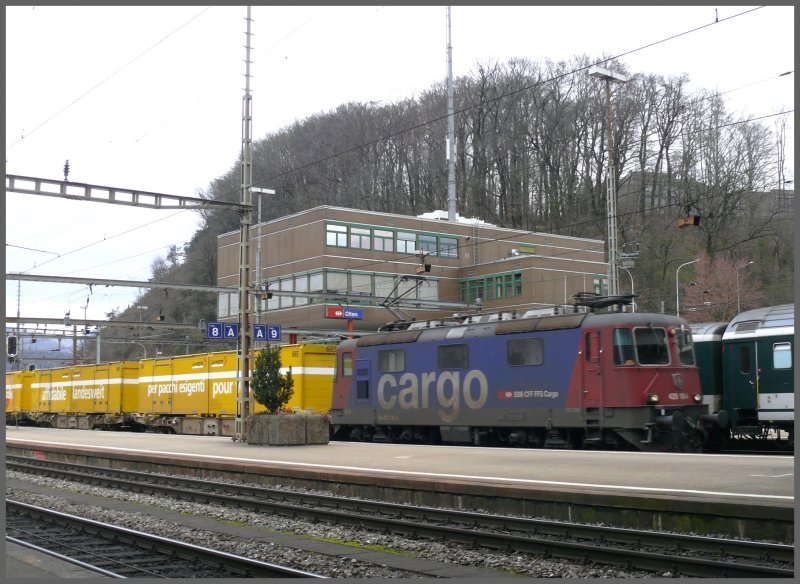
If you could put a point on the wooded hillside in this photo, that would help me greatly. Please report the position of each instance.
(531, 154)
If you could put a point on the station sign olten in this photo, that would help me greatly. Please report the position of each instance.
(341, 312)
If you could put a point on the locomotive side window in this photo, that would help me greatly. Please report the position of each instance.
(453, 357)
(525, 352)
(782, 356)
(347, 365)
(391, 361)
(683, 339)
(592, 342)
(651, 346)
(744, 359)
(623, 347)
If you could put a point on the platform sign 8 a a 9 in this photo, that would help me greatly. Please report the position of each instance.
(267, 332)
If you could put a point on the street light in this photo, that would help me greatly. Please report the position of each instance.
(611, 196)
(738, 305)
(633, 302)
(677, 290)
(259, 191)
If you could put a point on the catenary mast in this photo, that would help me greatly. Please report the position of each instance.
(245, 340)
(451, 143)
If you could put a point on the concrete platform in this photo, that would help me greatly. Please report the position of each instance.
(767, 480)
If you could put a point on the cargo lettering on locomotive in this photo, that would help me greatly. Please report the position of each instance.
(413, 392)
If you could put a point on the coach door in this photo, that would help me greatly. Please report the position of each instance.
(592, 390)
(743, 380)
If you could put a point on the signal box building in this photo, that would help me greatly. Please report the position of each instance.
(331, 269)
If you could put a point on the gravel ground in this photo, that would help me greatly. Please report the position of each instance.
(338, 566)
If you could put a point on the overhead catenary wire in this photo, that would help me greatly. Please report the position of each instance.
(675, 36)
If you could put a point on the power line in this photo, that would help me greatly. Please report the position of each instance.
(120, 69)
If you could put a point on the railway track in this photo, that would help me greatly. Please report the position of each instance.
(118, 552)
(685, 555)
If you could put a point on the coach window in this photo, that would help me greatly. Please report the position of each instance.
(744, 359)
(651, 346)
(392, 361)
(782, 356)
(623, 347)
(453, 357)
(525, 352)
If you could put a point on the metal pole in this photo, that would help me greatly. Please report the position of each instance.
(738, 304)
(633, 302)
(611, 192)
(451, 140)
(243, 369)
(677, 289)
(611, 203)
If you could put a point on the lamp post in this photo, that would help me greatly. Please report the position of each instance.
(633, 302)
(677, 289)
(738, 304)
(259, 191)
(611, 196)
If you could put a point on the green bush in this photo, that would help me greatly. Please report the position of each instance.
(271, 389)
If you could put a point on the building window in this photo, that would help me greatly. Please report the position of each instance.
(383, 240)
(429, 290)
(448, 247)
(301, 285)
(406, 242)
(336, 235)
(315, 282)
(383, 286)
(427, 244)
(336, 282)
(360, 238)
(361, 284)
(493, 287)
(288, 285)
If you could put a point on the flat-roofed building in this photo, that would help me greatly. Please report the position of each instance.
(332, 269)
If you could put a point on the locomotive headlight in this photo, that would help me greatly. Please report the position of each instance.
(698, 398)
(652, 398)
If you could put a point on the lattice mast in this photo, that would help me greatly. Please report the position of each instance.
(245, 339)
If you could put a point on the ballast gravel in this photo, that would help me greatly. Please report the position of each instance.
(512, 563)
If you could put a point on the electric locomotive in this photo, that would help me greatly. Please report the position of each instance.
(609, 380)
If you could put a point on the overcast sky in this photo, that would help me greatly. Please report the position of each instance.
(150, 98)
